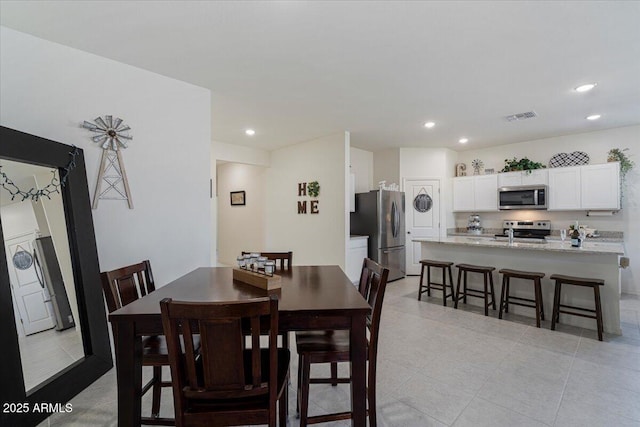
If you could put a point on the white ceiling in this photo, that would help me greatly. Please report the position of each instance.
(294, 71)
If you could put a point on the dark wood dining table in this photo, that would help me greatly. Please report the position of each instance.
(311, 298)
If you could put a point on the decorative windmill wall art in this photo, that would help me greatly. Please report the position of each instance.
(112, 135)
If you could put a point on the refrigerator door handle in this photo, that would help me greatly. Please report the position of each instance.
(395, 220)
(38, 269)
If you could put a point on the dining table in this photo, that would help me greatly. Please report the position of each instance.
(310, 298)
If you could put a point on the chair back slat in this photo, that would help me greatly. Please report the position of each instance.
(223, 368)
(127, 284)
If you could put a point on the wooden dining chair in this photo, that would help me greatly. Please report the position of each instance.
(283, 259)
(121, 287)
(225, 384)
(333, 347)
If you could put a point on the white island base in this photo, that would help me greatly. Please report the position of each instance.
(549, 259)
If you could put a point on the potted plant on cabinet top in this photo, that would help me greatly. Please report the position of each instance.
(617, 155)
(524, 164)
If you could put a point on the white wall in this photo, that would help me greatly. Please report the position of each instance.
(240, 154)
(432, 163)
(361, 162)
(386, 166)
(321, 238)
(596, 145)
(49, 89)
(241, 227)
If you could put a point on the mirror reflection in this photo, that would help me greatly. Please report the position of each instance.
(40, 274)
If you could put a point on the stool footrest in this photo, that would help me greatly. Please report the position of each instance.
(478, 294)
(519, 303)
(578, 313)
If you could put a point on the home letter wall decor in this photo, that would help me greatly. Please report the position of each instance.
(313, 190)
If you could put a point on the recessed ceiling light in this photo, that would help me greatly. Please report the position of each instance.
(250, 132)
(593, 117)
(429, 125)
(586, 88)
(463, 140)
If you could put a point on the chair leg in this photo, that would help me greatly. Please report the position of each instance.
(541, 300)
(303, 393)
(506, 296)
(157, 388)
(334, 373)
(455, 303)
(299, 388)
(453, 290)
(420, 286)
(486, 295)
(493, 292)
(505, 279)
(538, 297)
(596, 294)
(444, 286)
(283, 405)
(556, 306)
(464, 299)
(428, 280)
(371, 394)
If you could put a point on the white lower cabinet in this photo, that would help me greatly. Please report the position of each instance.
(358, 251)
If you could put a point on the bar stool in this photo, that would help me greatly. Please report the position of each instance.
(445, 266)
(505, 297)
(488, 280)
(577, 281)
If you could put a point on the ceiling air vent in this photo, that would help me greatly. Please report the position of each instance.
(521, 116)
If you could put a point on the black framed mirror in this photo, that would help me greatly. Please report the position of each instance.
(22, 403)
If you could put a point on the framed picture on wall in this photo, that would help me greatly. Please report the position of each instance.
(238, 198)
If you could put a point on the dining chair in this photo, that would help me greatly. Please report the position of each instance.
(333, 347)
(225, 383)
(121, 287)
(283, 259)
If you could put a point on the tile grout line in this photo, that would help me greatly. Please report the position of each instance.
(516, 342)
(566, 381)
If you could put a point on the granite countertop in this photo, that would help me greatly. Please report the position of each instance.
(588, 247)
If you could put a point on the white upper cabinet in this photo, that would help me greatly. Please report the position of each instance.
(600, 186)
(585, 187)
(475, 193)
(515, 179)
(463, 194)
(564, 189)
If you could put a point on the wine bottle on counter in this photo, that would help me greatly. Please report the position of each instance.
(575, 238)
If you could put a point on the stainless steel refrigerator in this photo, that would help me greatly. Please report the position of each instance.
(50, 276)
(380, 215)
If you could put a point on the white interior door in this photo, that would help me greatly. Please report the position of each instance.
(422, 216)
(31, 298)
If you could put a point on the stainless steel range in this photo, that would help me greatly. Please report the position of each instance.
(538, 229)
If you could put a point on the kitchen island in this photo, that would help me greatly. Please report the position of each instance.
(594, 259)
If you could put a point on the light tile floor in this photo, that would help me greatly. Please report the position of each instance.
(443, 367)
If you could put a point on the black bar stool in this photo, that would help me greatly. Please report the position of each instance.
(577, 281)
(506, 298)
(488, 281)
(445, 266)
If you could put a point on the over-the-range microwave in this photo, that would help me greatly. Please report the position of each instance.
(522, 197)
